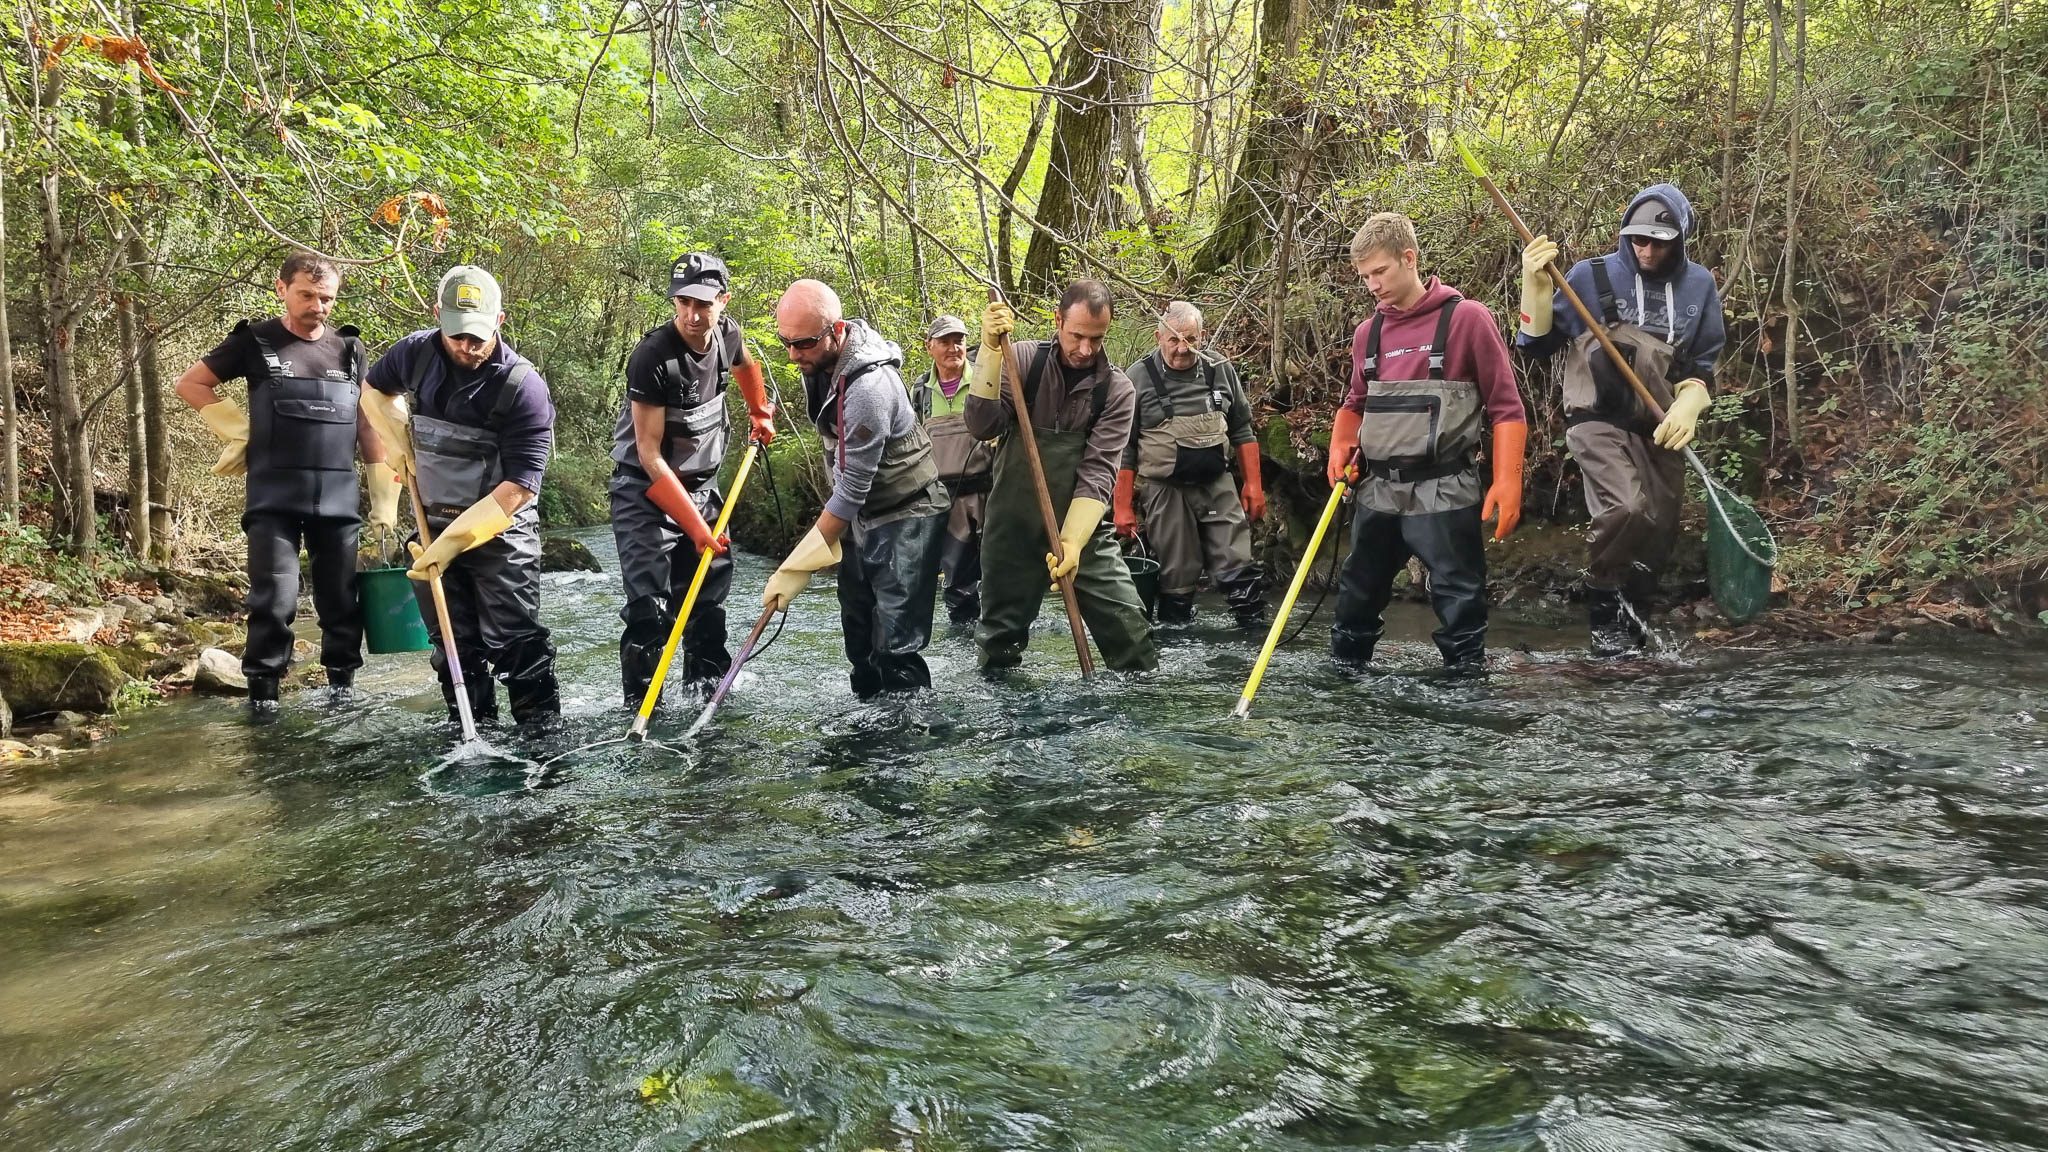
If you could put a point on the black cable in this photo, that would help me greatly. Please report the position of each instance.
(1328, 583)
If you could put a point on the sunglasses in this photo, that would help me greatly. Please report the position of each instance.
(1650, 242)
(803, 345)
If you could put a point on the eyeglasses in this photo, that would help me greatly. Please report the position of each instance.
(803, 345)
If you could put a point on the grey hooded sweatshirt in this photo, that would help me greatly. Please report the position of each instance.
(877, 410)
(1682, 307)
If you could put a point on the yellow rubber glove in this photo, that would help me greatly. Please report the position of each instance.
(1682, 419)
(478, 524)
(996, 323)
(1083, 515)
(811, 554)
(383, 485)
(391, 416)
(231, 425)
(1536, 285)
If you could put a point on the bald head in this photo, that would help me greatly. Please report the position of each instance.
(808, 304)
(808, 321)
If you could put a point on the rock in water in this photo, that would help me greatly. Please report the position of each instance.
(566, 554)
(40, 678)
(219, 674)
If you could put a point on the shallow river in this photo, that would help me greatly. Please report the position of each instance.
(1732, 901)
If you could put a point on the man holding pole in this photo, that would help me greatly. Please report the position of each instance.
(1429, 373)
(1663, 313)
(1175, 483)
(887, 510)
(297, 444)
(471, 422)
(1081, 409)
(667, 447)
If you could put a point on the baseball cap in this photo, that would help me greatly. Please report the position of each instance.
(1651, 218)
(946, 326)
(700, 276)
(470, 302)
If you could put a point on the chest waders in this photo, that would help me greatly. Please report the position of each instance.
(696, 431)
(492, 591)
(1418, 442)
(302, 438)
(1184, 447)
(964, 461)
(302, 487)
(1633, 488)
(904, 476)
(1418, 495)
(1013, 548)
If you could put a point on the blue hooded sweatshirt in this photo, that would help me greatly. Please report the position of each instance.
(1694, 321)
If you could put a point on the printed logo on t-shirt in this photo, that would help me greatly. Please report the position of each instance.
(1397, 353)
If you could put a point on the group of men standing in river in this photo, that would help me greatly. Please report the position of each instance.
(930, 479)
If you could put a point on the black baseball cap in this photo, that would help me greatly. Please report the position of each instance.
(700, 276)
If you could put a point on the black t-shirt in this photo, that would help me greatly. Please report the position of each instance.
(237, 357)
(647, 379)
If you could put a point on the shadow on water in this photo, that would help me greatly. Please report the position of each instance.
(1734, 901)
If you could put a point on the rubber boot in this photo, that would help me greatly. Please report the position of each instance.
(1246, 596)
(1611, 628)
(1352, 651)
(263, 698)
(640, 646)
(341, 685)
(1176, 608)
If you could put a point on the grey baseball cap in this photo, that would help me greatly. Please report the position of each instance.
(946, 326)
(470, 302)
(1652, 218)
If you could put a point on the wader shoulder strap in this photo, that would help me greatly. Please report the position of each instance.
(1603, 284)
(422, 359)
(1443, 336)
(264, 350)
(1370, 370)
(352, 346)
(1031, 376)
(508, 393)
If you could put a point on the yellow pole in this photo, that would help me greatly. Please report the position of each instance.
(1315, 543)
(675, 634)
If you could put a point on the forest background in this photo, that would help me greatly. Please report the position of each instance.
(1870, 175)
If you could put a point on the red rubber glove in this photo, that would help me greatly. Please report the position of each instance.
(754, 389)
(668, 495)
(1343, 446)
(1122, 503)
(1253, 494)
(1504, 499)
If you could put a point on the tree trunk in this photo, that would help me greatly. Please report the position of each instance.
(1729, 198)
(1079, 196)
(1798, 113)
(138, 437)
(1244, 226)
(10, 416)
(1006, 266)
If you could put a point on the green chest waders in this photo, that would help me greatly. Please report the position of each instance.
(1014, 581)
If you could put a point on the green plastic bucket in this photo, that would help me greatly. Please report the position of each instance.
(1145, 574)
(391, 616)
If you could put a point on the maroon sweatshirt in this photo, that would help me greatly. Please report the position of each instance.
(1477, 352)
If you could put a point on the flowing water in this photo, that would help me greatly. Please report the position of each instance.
(1744, 900)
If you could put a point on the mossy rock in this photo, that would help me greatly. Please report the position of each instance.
(200, 634)
(39, 678)
(566, 554)
(214, 593)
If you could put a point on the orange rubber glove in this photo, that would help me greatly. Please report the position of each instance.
(1123, 503)
(1343, 445)
(754, 389)
(669, 495)
(1253, 494)
(1504, 499)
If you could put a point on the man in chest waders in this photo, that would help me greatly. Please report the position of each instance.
(1429, 373)
(1175, 482)
(297, 444)
(964, 462)
(1664, 312)
(474, 420)
(1082, 408)
(669, 443)
(887, 510)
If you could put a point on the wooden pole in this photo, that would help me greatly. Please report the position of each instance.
(1052, 524)
(448, 650)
